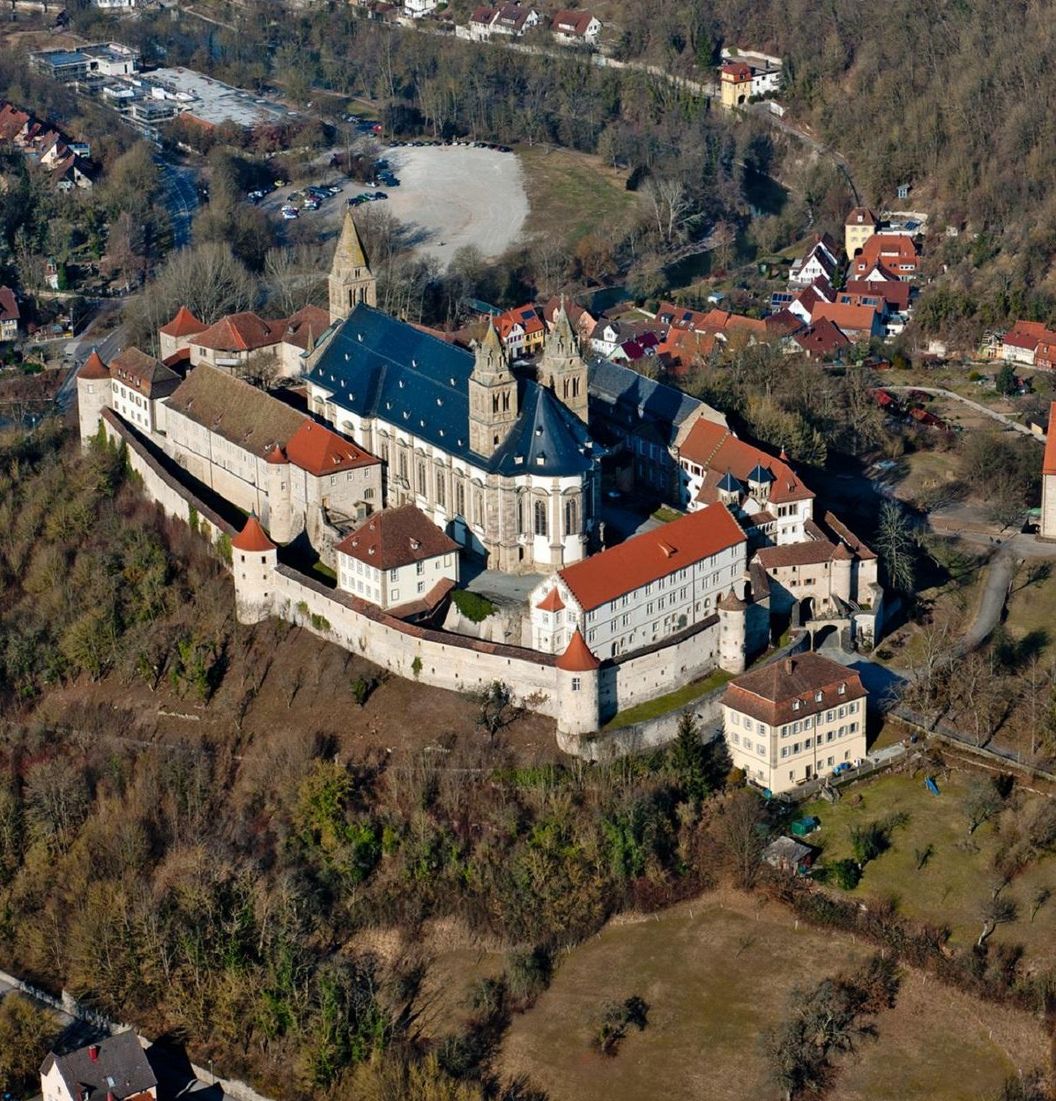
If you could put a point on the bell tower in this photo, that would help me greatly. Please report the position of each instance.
(351, 280)
(562, 368)
(492, 395)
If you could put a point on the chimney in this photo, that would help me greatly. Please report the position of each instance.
(93, 1052)
(789, 665)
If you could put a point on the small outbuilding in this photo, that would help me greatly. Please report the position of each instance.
(788, 855)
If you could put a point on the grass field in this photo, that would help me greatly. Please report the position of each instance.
(717, 973)
(955, 881)
(572, 194)
(681, 697)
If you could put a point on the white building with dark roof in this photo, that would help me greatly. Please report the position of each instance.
(115, 1068)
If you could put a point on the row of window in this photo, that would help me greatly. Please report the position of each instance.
(831, 735)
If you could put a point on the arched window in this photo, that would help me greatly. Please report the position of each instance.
(540, 517)
(441, 489)
(571, 517)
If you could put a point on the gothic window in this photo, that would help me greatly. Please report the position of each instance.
(522, 524)
(460, 499)
(571, 520)
(403, 464)
(421, 480)
(506, 402)
(478, 507)
(495, 403)
(441, 489)
(540, 518)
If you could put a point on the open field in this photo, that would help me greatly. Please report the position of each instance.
(572, 194)
(956, 879)
(717, 973)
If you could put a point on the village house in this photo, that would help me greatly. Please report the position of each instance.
(1047, 527)
(793, 720)
(140, 382)
(647, 588)
(860, 225)
(581, 319)
(572, 28)
(398, 557)
(745, 75)
(9, 315)
(509, 19)
(115, 1068)
(822, 340)
(1021, 344)
(521, 330)
(886, 256)
(859, 322)
(819, 262)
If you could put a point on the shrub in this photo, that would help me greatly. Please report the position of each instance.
(844, 873)
(616, 1019)
(473, 606)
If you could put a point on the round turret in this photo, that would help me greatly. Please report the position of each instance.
(253, 560)
(577, 688)
(732, 633)
(280, 507)
(94, 393)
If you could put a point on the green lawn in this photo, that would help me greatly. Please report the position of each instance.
(572, 194)
(718, 972)
(681, 697)
(955, 881)
(665, 514)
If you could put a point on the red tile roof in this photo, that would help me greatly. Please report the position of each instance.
(577, 657)
(821, 339)
(397, 537)
(1048, 466)
(767, 693)
(737, 70)
(252, 537)
(572, 22)
(552, 602)
(891, 250)
(715, 448)
(8, 305)
(240, 332)
(183, 324)
(1027, 334)
(525, 316)
(320, 451)
(651, 555)
(896, 294)
(861, 216)
(93, 368)
(848, 319)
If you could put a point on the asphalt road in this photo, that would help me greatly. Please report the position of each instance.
(181, 199)
(79, 350)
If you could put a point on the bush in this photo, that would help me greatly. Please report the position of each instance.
(473, 606)
(616, 1019)
(844, 873)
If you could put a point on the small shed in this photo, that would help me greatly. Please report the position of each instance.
(807, 824)
(788, 855)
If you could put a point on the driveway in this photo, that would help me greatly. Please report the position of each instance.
(978, 407)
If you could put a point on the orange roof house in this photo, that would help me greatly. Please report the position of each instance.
(93, 368)
(240, 332)
(319, 451)
(892, 253)
(855, 322)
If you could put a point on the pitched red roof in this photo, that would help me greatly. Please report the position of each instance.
(821, 339)
(240, 332)
(183, 324)
(397, 537)
(1048, 465)
(848, 319)
(320, 451)
(552, 602)
(577, 657)
(277, 457)
(651, 555)
(93, 368)
(8, 305)
(572, 22)
(252, 537)
(891, 251)
(737, 71)
(1027, 335)
(895, 294)
(861, 216)
(767, 693)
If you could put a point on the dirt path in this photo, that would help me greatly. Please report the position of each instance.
(938, 391)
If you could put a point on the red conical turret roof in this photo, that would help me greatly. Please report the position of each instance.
(252, 537)
(93, 368)
(183, 324)
(552, 602)
(577, 657)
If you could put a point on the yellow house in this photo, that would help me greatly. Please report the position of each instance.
(735, 84)
(861, 224)
(793, 720)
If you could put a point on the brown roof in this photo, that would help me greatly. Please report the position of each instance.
(93, 368)
(572, 22)
(577, 657)
(737, 70)
(896, 294)
(796, 554)
(767, 693)
(235, 410)
(651, 555)
(240, 332)
(397, 537)
(306, 326)
(144, 373)
(183, 324)
(8, 305)
(860, 216)
(847, 318)
(252, 537)
(320, 451)
(821, 339)
(552, 602)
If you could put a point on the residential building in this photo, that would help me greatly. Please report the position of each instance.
(652, 586)
(417, 8)
(861, 224)
(140, 382)
(818, 262)
(576, 28)
(514, 19)
(1047, 527)
(822, 340)
(521, 330)
(792, 720)
(859, 323)
(9, 315)
(886, 256)
(745, 74)
(397, 557)
(735, 84)
(583, 322)
(116, 1068)
(1020, 343)
(896, 295)
(504, 463)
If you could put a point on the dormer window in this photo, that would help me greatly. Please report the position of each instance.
(795, 705)
(842, 690)
(818, 696)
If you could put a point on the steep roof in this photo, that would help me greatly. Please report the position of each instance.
(651, 555)
(1048, 466)
(8, 305)
(572, 22)
(143, 373)
(235, 410)
(377, 366)
(1026, 334)
(306, 326)
(823, 338)
(767, 693)
(93, 368)
(183, 324)
(397, 537)
(639, 397)
(848, 319)
(240, 332)
(860, 216)
(349, 251)
(316, 449)
(552, 602)
(577, 657)
(119, 1067)
(252, 537)
(717, 450)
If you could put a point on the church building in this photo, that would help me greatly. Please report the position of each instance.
(503, 462)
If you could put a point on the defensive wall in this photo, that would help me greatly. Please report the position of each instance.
(579, 701)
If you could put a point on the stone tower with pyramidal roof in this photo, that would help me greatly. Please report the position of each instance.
(351, 280)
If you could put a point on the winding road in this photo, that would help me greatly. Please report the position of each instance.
(181, 199)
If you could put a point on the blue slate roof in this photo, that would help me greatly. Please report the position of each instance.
(377, 366)
(729, 483)
(760, 475)
(644, 397)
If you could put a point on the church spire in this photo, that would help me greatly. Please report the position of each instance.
(562, 368)
(493, 407)
(351, 280)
